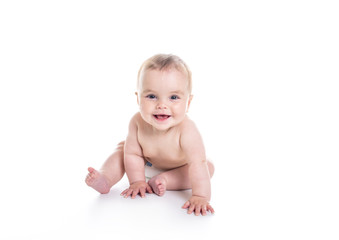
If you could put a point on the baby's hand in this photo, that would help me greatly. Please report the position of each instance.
(137, 188)
(199, 205)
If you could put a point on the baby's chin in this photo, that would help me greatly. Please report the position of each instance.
(162, 126)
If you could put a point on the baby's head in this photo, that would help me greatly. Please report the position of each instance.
(164, 90)
(165, 62)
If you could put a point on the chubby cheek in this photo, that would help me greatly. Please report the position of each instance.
(179, 110)
(145, 107)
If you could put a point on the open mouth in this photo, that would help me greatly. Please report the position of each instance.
(162, 117)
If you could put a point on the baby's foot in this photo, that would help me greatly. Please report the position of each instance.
(97, 181)
(158, 184)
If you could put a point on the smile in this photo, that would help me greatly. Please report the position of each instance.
(162, 117)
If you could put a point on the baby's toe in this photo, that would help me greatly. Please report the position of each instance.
(88, 180)
(157, 182)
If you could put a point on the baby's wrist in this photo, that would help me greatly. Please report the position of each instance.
(137, 181)
(201, 197)
(136, 178)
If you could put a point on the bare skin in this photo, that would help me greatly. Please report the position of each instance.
(97, 181)
(158, 184)
(175, 179)
(162, 134)
(110, 173)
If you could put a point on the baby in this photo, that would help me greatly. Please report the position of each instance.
(161, 138)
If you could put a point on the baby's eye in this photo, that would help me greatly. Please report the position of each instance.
(174, 97)
(151, 96)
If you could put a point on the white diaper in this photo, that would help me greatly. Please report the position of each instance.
(151, 171)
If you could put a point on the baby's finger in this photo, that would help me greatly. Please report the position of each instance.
(197, 210)
(186, 205)
(124, 192)
(203, 210)
(135, 193)
(128, 193)
(209, 208)
(191, 209)
(142, 192)
(149, 189)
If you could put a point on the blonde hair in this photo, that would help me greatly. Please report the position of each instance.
(166, 62)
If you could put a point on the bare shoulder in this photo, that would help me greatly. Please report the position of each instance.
(135, 122)
(188, 127)
(136, 118)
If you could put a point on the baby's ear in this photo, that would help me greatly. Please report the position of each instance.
(136, 94)
(189, 102)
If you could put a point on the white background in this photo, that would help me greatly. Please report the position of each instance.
(265, 77)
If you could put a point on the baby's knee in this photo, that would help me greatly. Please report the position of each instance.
(119, 150)
(120, 147)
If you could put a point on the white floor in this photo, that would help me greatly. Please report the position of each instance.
(65, 214)
(58, 205)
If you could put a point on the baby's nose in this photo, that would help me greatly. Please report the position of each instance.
(161, 105)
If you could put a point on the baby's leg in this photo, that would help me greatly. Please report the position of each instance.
(175, 179)
(110, 173)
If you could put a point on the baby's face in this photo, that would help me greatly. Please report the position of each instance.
(163, 98)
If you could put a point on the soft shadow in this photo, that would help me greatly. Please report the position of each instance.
(113, 194)
(183, 194)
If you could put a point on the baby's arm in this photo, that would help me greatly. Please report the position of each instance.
(192, 145)
(134, 164)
